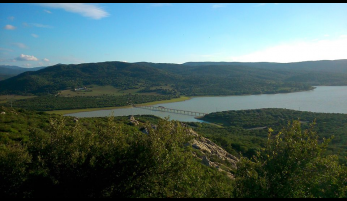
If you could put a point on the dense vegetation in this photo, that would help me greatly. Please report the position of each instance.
(189, 79)
(55, 157)
(246, 130)
(4, 77)
(292, 165)
(50, 156)
(228, 79)
(10, 71)
(334, 66)
(50, 102)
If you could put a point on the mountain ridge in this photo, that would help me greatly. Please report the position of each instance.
(204, 78)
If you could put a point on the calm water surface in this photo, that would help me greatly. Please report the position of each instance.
(326, 99)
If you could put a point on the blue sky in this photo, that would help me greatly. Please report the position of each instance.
(33, 35)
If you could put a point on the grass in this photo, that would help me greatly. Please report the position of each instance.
(63, 112)
(6, 98)
(96, 90)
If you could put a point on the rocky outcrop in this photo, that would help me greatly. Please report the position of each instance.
(133, 121)
(207, 151)
(211, 150)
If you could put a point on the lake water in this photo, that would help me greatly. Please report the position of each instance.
(326, 99)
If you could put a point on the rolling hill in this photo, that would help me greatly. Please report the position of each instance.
(192, 78)
(10, 71)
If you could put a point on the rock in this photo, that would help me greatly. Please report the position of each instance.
(210, 149)
(3, 113)
(133, 121)
(205, 161)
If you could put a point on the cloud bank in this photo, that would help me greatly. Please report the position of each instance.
(86, 10)
(299, 51)
(24, 57)
(9, 27)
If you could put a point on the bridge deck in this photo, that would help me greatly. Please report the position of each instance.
(164, 109)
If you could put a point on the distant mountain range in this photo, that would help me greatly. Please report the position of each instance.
(10, 71)
(331, 66)
(191, 78)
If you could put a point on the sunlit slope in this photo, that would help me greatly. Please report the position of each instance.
(179, 79)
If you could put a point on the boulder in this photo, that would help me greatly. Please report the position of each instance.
(133, 121)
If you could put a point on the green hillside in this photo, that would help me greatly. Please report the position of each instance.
(148, 77)
(247, 129)
(11, 71)
(50, 156)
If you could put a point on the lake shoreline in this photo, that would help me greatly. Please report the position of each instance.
(64, 112)
(182, 98)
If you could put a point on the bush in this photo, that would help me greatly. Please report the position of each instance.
(292, 165)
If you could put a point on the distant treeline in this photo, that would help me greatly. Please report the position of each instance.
(246, 131)
(189, 80)
(48, 103)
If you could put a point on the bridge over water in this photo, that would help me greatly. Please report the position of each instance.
(164, 109)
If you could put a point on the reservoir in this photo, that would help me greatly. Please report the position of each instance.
(325, 99)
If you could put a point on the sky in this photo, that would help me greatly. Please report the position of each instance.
(45, 34)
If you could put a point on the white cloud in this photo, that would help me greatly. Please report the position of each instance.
(34, 35)
(9, 27)
(46, 60)
(299, 51)
(11, 18)
(86, 10)
(40, 25)
(47, 11)
(36, 25)
(20, 45)
(24, 57)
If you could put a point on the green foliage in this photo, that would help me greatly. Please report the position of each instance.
(48, 103)
(50, 156)
(234, 140)
(244, 123)
(292, 165)
(149, 77)
(102, 157)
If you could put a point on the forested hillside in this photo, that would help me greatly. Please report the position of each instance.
(177, 79)
(247, 130)
(333, 66)
(11, 71)
(50, 156)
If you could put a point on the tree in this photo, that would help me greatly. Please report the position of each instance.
(101, 158)
(292, 164)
